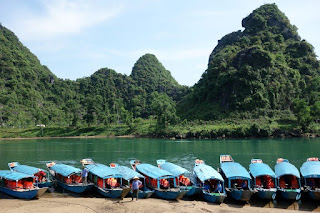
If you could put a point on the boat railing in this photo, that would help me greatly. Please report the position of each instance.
(313, 159)
(256, 161)
(281, 160)
(87, 161)
(225, 158)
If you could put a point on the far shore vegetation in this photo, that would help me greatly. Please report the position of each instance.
(192, 130)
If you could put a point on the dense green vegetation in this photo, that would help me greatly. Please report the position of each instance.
(260, 71)
(30, 94)
(263, 81)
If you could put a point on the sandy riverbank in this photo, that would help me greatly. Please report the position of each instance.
(88, 205)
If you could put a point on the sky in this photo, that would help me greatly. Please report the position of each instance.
(75, 38)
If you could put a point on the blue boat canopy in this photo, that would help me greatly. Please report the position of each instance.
(30, 170)
(205, 172)
(258, 169)
(310, 169)
(12, 175)
(286, 168)
(174, 169)
(153, 171)
(128, 173)
(234, 170)
(103, 171)
(65, 170)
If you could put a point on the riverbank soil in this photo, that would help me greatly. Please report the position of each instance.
(88, 205)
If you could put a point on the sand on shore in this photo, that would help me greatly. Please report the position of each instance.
(88, 205)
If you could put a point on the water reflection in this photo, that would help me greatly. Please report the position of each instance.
(182, 152)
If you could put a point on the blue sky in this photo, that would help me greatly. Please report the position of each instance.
(76, 38)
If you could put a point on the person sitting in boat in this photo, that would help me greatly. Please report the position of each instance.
(40, 175)
(219, 188)
(206, 186)
(244, 184)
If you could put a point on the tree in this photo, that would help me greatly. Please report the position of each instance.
(164, 109)
(302, 112)
(315, 111)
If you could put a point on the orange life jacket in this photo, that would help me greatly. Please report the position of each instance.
(100, 183)
(154, 183)
(78, 179)
(112, 182)
(164, 183)
(258, 182)
(282, 184)
(28, 185)
(67, 180)
(294, 183)
(184, 180)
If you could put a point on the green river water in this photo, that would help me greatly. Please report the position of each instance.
(37, 152)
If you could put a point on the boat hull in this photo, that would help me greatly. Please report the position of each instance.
(24, 194)
(214, 197)
(267, 194)
(192, 190)
(170, 194)
(290, 194)
(111, 193)
(45, 184)
(142, 194)
(313, 194)
(75, 188)
(241, 195)
(41, 191)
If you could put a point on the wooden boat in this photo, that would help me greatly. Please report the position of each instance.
(18, 184)
(164, 184)
(310, 171)
(208, 179)
(288, 180)
(264, 179)
(68, 177)
(127, 178)
(184, 176)
(237, 179)
(42, 181)
(107, 181)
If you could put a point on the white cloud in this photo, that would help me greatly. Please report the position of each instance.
(62, 17)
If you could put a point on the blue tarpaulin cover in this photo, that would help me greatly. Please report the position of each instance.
(205, 172)
(174, 169)
(12, 175)
(128, 173)
(103, 171)
(310, 169)
(152, 171)
(30, 170)
(286, 168)
(258, 169)
(65, 170)
(234, 170)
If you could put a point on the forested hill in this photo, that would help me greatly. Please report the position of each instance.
(30, 94)
(262, 70)
(151, 75)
